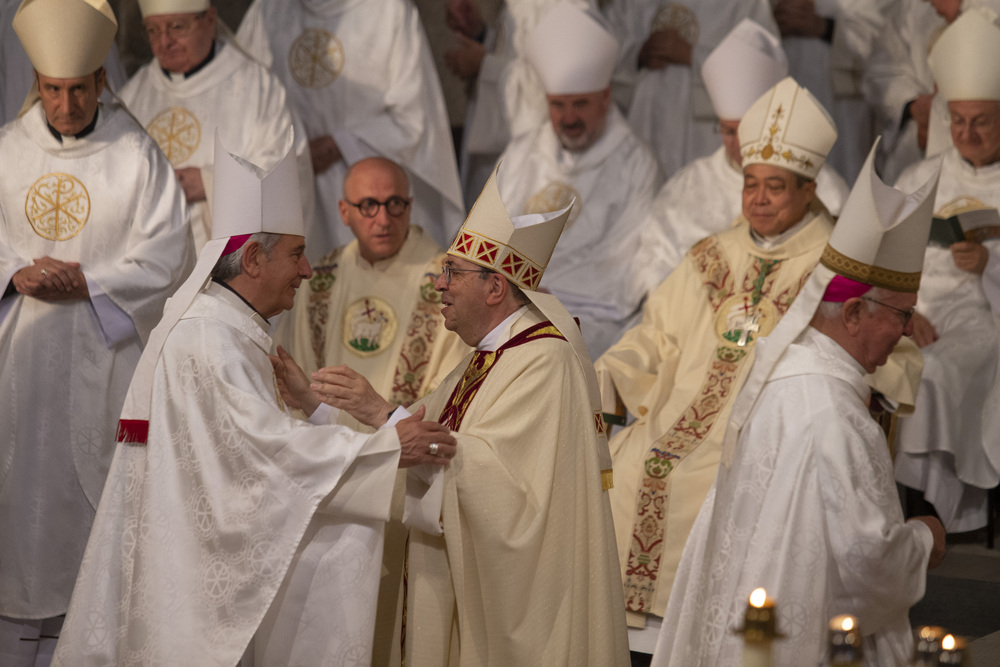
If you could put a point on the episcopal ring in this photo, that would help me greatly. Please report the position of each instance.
(433, 449)
(44, 272)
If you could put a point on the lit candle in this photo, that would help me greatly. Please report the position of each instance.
(845, 641)
(759, 631)
(952, 651)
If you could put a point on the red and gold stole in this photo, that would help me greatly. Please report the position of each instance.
(480, 366)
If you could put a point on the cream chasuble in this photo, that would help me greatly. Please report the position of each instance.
(233, 518)
(669, 108)
(705, 198)
(231, 94)
(525, 573)
(361, 71)
(809, 511)
(110, 202)
(948, 447)
(678, 372)
(614, 182)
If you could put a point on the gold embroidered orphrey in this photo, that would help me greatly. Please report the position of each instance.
(680, 18)
(57, 206)
(555, 196)
(177, 132)
(369, 326)
(316, 58)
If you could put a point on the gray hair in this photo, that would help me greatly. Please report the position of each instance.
(831, 310)
(231, 265)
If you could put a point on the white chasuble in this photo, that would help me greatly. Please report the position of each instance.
(809, 511)
(678, 372)
(705, 198)
(232, 518)
(110, 202)
(232, 94)
(613, 182)
(948, 447)
(525, 572)
(362, 72)
(669, 108)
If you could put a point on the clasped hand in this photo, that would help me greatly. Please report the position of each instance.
(50, 279)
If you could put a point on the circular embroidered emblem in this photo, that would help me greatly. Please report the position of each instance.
(733, 319)
(369, 326)
(553, 197)
(680, 18)
(316, 59)
(177, 132)
(57, 206)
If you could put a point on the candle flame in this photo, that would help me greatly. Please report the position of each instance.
(758, 597)
(948, 643)
(848, 624)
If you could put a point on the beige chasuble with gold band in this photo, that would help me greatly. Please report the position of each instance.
(677, 372)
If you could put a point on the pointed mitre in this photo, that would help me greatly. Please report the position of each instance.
(965, 59)
(787, 127)
(157, 7)
(65, 39)
(747, 63)
(881, 235)
(572, 51)
(246, 200)
(517, 248)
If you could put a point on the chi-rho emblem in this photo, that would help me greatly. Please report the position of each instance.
(316, 58)
(554, 197)
(57, 206)
(177, 132)
(369, 326)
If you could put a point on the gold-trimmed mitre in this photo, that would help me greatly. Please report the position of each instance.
(965, 59)
(158, 7)
(517, 248)
(881, 234)
(746, 64)
(572, 50)
(788, 128)
(65, 39)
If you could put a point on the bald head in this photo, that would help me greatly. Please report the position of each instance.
(380, 188)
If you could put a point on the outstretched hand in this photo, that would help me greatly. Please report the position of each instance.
(418, 438)
(348, 390)
(293, 383)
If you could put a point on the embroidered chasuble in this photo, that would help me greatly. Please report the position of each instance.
(678, 372)
(525, 572)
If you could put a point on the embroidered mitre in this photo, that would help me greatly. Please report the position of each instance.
(65, 39)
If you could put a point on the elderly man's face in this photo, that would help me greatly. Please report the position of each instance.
(379, 185)
(773, 201)
(975, 130)
(181, 41)
(464, 299)
(579, 120)
(70, 104)
(281, 273)
(881, 328)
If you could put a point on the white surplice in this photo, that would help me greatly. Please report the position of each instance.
(614, 182)
(950, 446)
(705, 198)
(110, 202)
(232, 94)
(808, 510)
(233, 519)
(362, 72)
(669, 108)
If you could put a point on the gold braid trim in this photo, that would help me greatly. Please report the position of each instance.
(876, 276)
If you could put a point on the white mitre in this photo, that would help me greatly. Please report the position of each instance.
(65, 39)
(879, 240)
(965, 59)
(572, 51)
(746, 64)
(788, 128)
(246, 201)
(158, 7)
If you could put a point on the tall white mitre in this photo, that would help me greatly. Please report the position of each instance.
(246, 200)
(158, 7)
(788, 128)
(65, 39)
(965, 59)
(572, 50)
(747, 63)
(879, 240)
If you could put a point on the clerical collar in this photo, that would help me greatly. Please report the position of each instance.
(84, 132)
(500, 333)
(249, 305)
(197, 68)
(769, 242)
